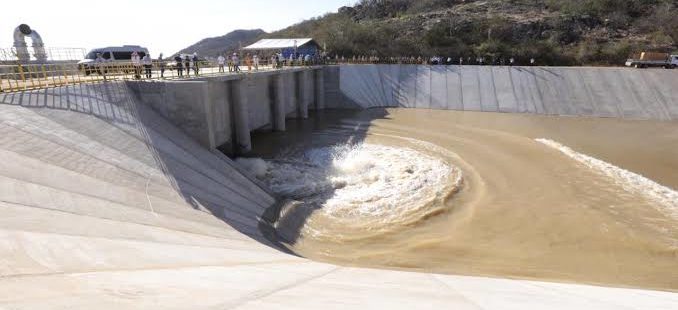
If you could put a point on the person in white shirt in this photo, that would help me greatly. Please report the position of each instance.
(100, 63)
(255, 59)
(221, 60)
(136, 63)
(148, 65)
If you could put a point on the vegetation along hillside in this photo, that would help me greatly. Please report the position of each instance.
(555, 32)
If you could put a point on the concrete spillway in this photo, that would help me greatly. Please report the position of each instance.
(110, 200)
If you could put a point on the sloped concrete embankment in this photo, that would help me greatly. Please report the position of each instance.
(91, 181)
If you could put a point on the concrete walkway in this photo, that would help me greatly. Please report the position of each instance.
(106, 205)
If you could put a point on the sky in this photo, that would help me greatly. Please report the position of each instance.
(161, 26)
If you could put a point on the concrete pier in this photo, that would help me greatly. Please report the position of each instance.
(319, 87)
(222, 111)
(241, 113)
(279, 98)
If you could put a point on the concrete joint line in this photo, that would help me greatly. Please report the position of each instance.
(448, 287)
(150, 204)
(258, 295)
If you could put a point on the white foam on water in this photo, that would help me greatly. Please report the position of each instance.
(254, 166)
(666, 198)
(363, 181)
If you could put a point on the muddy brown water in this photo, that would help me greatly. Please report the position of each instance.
(523, 209)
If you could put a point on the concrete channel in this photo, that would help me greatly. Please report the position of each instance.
(114, 196)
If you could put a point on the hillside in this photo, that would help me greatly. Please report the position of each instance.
(572, 32)
(226, 43)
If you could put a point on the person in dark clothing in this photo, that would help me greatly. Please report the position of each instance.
(187, 63)
(196, 68)
(236, 62)
(161, 63)
(179, 65)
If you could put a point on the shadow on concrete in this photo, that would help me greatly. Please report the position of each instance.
(102, 100)
(284, 222)
(109, 115)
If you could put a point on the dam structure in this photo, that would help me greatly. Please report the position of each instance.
(117, 195)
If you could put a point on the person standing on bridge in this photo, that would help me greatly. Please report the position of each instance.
(196, 61)
(179, 66)
(136, 63)
(148, 65)
(187, 64)
(236, 62)
(248, 62)
(221, 61)
(229, 59)
(100, 64)
(255, 59)
(161, 62)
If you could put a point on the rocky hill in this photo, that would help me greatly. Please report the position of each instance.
(227, 43)
(555, 32)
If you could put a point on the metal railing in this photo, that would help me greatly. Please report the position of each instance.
(23, 77)
(54, 54)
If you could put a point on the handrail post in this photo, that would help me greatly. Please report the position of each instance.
(21, 73)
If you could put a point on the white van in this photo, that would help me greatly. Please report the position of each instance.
(117, 58)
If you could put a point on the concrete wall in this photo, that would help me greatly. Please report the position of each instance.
(184, 103)
(575, 91)
(222, 111)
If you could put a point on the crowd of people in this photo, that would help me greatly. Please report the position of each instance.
(184, 64)
(143, 66)
(435, 60)
(254, 61)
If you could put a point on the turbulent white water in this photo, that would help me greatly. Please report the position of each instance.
(521, 208)
(631, 182)
(366, 182)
